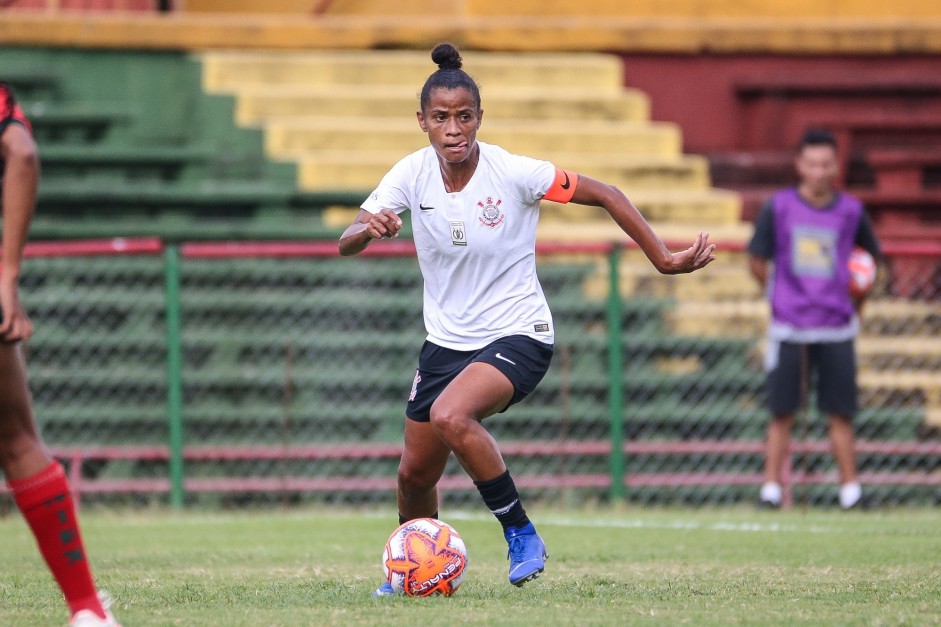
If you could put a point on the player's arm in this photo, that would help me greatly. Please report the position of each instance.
(20, 182)
(367, 227)
(866, 239)
(758, 266)
(588, 191)
(761, 246)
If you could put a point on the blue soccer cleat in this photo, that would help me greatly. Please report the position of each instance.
(527, 554)
(385, 590)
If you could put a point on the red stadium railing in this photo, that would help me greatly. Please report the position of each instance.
(79, 456)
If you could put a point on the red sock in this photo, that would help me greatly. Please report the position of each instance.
(46, 503)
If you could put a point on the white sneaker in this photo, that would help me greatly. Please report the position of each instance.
(851, 495)
(87, 618)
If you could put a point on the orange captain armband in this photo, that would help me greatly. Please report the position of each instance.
(563, 186)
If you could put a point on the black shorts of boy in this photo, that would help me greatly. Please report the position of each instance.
(523, 360)
(832, 365)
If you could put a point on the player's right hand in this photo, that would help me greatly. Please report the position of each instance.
(385, 224)
(15, 325)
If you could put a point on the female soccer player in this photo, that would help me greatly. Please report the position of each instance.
(37, 481)
(474, 210)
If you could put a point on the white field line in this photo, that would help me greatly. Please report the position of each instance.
(680, 525)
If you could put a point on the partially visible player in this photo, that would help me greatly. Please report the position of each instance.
(37, 482)
(808, 233)
(474, 209)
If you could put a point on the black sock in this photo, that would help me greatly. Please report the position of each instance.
(403, 519)
(501, 497)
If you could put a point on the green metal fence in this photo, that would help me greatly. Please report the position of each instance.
(247, 373)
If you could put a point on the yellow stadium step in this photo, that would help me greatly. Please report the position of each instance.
(693, 9)
(745, 318)
(347, 117)
(697, 207)
(675, 234)
(287, 137)
(923, 380)
(255, 105)
(230, 71)
(742, 318)
(642, 280)
(890, 353)
(266, 7)
(291, 136)
(331, 170)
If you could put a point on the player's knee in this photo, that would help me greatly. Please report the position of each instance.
(16, 444)
(415, 479)
(449, 423)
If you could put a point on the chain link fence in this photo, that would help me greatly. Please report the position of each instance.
(296, 365)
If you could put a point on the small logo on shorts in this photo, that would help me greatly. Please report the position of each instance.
(411, 397)
(499, 356)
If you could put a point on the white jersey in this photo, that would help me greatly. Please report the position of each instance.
(476, 247)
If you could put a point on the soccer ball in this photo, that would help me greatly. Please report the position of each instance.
(424, 557)
(862, 269)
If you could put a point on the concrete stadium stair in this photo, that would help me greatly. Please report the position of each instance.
(346, 117)
(898, 351)
(256, 105)
(330, 169)
(223, 71)
(293, 136)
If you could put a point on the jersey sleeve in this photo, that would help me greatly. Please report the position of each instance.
(392, 192)
(762, 242)
(10, 112)
(530, 178)
(866, 237)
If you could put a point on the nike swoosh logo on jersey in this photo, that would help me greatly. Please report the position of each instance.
(566, 184)
(499, 356)
(424, 208)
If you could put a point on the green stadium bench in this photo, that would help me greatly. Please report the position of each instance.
(139, 164)
(231, 197)
(76, 123)
(33, 84)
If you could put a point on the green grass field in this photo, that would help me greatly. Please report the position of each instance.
(660, 567)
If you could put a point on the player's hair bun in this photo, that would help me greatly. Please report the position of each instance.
(447, 57)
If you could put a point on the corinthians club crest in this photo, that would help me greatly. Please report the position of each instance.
(491, 215)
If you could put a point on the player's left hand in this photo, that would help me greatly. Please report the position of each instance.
(697, 256)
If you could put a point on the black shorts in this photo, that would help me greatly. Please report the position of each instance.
(522, 359)
(831, 365)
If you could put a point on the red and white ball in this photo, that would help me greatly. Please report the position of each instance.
(862, 269)
(425, 557)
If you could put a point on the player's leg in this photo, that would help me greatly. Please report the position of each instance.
(479, 391)
(777, 446)
(844, 447)
(424, 455)
(423, 461)
(838, 398)
(22, 453)
(783, 388)
(42, 493)
(501, 374)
